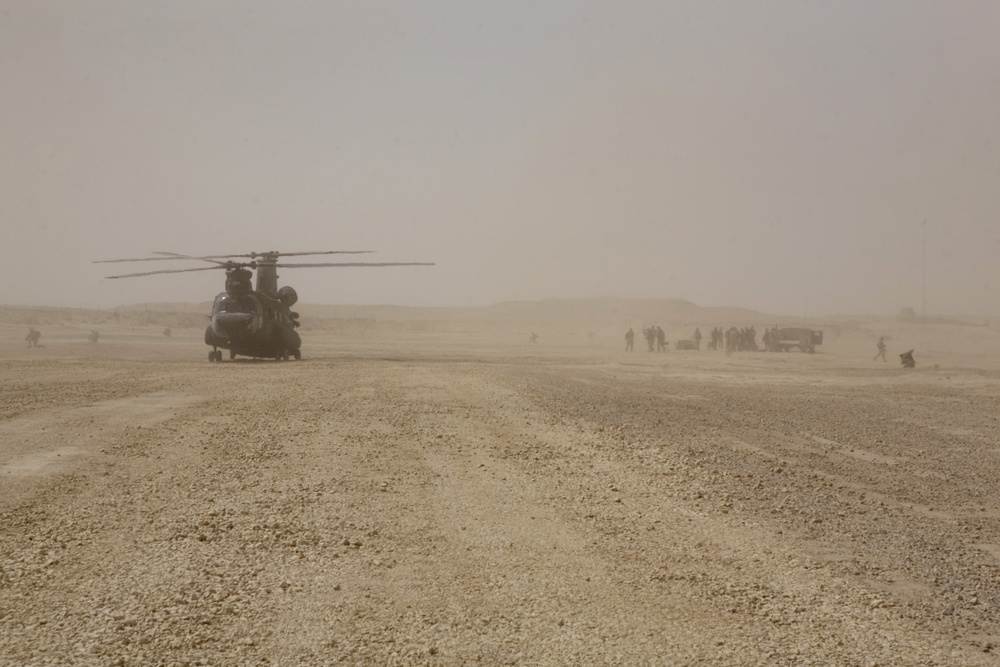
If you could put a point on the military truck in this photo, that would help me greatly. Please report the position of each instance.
(802, 338)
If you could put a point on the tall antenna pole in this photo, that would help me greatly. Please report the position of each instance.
(923, 307)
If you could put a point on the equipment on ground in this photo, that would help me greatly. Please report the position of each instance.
(906, 359)
(686, 344)
(806, 340)
(250, 322)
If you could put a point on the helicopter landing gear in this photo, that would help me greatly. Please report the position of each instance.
(297, 354)
(215, 355)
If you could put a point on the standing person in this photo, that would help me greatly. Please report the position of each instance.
(697, 338)
(661, 339)
(732, 336)
(881, 348)
(629, 339)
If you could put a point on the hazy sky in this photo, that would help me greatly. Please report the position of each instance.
(772, 155)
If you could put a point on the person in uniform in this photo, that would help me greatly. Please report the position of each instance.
(629, 339)
(881, 349)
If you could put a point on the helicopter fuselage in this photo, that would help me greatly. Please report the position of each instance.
(252, 325)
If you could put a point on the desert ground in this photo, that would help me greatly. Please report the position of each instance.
(413, 493)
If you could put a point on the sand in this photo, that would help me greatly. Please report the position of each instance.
(442, 491)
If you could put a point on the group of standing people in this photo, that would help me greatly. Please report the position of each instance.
(656, 339)
(733, 339)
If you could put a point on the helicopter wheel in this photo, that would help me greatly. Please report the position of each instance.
(215, 355)
(297, 354)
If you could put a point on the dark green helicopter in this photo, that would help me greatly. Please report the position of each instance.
(259, 322)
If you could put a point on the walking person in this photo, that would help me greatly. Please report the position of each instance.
(881, 349)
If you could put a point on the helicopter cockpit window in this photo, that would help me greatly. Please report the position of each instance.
(227, 304)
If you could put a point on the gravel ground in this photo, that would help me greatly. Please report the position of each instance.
(494, 507)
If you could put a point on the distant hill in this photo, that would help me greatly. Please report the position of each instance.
(562, 317)
(614, 310)
(151, 314)
(593, 313)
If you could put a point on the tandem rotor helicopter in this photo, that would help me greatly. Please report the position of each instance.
(259, 322)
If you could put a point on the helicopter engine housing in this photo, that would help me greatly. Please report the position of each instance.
(287, 296)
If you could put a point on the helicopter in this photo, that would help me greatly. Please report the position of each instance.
(253, 322)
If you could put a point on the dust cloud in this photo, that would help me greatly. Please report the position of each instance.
(796, 159)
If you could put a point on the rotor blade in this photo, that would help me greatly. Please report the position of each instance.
(209, 258)
(253, 255)
(151, 273)
(134, 259)
(305, 266)
(175, 255)
(326, 252)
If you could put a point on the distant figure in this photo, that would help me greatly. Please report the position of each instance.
(649, 334)
(94, 335)
(534, 337)
(715, 339)
(166, 332)
(881, 349)
(732, 339)
(629, 339)
(661, 340)
(907, 359)
(34, 335)
(697, 338)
